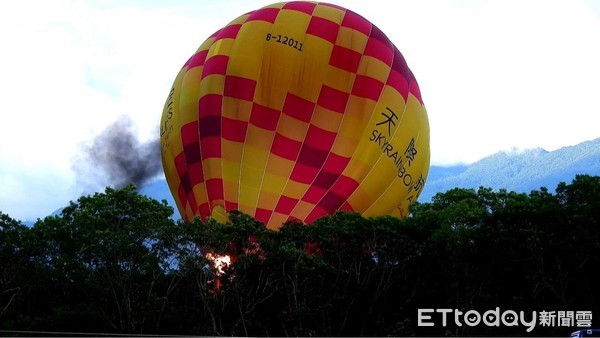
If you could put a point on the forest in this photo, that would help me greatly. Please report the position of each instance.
(117, 262)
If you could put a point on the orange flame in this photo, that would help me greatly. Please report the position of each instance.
(220, 262)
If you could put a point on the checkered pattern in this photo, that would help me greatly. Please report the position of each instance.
(281, 133)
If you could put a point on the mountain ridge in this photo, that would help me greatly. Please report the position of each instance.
(520, 171)
(514, 170)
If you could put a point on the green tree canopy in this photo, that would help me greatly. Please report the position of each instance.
(116, 262)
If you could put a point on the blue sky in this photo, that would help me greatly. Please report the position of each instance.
(494, 74)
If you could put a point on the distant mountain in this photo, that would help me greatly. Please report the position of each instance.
(159, 190)
(520, 171)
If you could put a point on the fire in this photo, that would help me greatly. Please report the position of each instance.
(220, 262)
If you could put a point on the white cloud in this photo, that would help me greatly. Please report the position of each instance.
(494, 75)
(507, 73)
(70, 68)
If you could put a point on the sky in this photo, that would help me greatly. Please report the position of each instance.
(495, 75)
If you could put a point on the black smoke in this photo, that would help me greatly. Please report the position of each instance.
(116, 157)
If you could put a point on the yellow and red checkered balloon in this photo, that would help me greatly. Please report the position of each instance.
(294, 111)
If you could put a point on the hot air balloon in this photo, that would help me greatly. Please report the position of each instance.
(291, 112)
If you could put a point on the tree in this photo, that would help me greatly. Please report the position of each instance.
(13, 262)
(113, 252)
(117, 262)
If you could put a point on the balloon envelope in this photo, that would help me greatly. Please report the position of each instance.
(294, 111)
